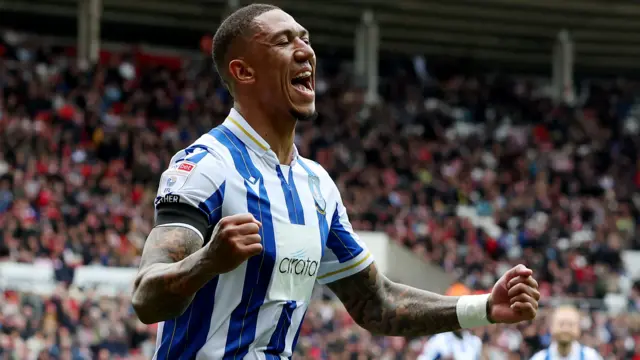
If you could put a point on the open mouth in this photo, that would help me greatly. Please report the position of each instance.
(303, 82)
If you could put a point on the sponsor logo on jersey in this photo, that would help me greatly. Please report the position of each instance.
(298, 256)
(298, 264)
(186, 166)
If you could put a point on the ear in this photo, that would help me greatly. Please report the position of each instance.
(241, 72)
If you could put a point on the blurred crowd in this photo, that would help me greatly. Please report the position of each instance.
(82, 148)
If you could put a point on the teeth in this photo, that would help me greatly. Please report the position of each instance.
(303, 75)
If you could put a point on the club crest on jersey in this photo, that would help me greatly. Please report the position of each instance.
(314, 185)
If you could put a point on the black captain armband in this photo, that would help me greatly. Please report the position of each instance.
(169, 213)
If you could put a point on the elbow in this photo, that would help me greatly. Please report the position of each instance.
(150, 308)
(142, 308)
(367, 321)
(151, 312)
(144, 312)
(370, 327)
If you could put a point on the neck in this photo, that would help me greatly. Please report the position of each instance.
(564, 349)
(277, 131)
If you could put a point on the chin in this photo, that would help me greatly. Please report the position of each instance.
(564, 340)
(304, 115)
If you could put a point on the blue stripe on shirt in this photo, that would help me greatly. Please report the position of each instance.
(296, 216)
(197, 157)
(278, 338)
(296, 198)
(244, 318)
(295, 338)
(212, 207)
(341, 241)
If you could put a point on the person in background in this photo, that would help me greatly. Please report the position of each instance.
(565, 333)
(455, 345)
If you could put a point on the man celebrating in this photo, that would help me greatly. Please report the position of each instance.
(565, 332)
(245, 225)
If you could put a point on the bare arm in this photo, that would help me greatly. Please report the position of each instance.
(386, 308)
(174, 267)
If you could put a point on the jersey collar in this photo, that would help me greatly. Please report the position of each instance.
(241, 128)
(575, 348)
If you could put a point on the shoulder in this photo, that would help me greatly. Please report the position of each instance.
(315, 169)
(202, 153)
(326, 183)
(322, 182)
(540, 355)
(199, 169)
(591, 353)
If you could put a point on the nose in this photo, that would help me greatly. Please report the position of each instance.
(304, 52)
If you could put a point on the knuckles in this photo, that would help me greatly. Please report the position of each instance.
(224, 222)
(521, 288)
(227, 233)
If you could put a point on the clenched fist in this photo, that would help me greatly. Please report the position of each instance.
(235, 239)
(515, 297)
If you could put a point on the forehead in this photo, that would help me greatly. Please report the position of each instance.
(566, 315)
(276, 21)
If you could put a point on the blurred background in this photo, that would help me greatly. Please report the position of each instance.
(465, 136)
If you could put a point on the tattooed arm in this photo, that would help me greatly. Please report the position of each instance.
(174, 267)
(386, 308)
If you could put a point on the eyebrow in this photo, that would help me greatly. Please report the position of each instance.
(291, 33)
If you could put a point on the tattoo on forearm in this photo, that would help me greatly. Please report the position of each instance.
(166, 281)
(385, 308)
(170, 245)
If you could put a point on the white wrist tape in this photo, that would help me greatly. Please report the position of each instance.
(472, 311)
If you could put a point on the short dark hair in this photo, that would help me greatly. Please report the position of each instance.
(235, 25)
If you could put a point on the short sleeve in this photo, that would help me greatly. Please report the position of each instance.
(345, 253)
(592, 354)
(191, 190)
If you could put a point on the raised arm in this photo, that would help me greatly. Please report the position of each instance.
(387, 308)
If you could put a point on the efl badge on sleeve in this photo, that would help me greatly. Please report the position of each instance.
(314, 185)
(173, 181)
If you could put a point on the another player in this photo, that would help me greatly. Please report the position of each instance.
(455, 345)
(565, 332)
(245, 225)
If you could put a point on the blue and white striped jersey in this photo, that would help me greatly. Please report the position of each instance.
(449, 346)
(255, 311)
(578, 352)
